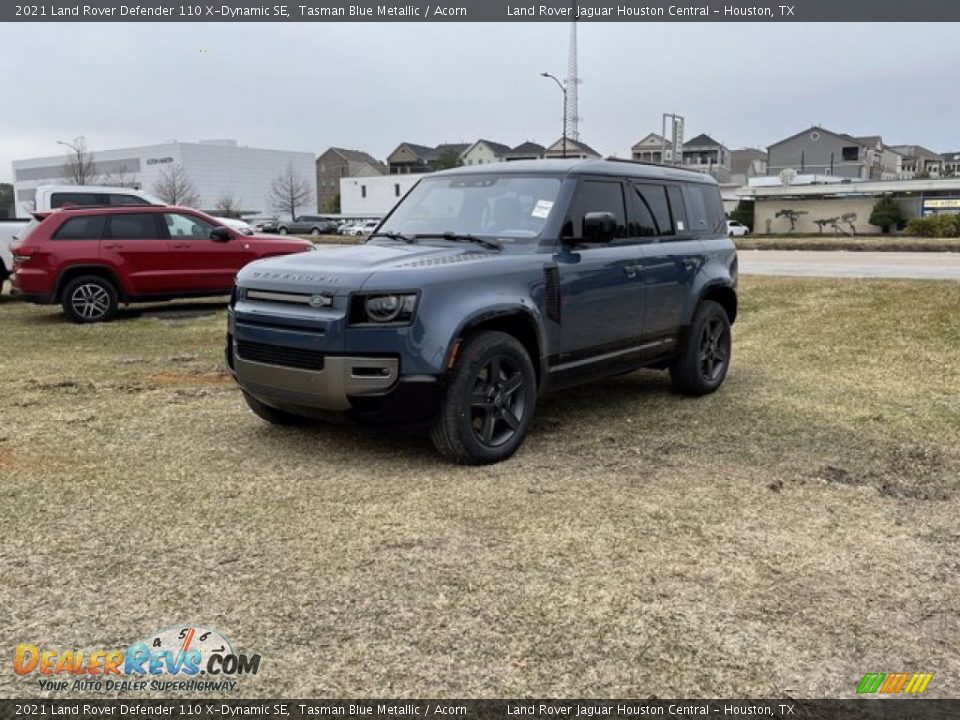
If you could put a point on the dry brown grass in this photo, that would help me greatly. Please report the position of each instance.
(781, 537)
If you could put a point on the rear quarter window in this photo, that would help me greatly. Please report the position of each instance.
(78, 199)
(704, 209)
(88, 227)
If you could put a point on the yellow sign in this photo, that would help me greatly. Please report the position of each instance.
(942, 203)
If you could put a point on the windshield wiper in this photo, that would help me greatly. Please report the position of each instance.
(393, 236)
(460, 237)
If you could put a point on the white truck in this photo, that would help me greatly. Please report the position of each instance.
(52, 197)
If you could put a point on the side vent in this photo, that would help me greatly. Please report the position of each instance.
(551, 292)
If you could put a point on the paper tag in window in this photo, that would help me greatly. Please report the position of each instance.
(680, 225)
(542, 208)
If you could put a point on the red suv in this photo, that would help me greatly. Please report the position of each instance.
(91, 260)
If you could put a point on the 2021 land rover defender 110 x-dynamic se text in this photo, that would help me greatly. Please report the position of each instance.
(487, 286)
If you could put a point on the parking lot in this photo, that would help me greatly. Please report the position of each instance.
(779, 538)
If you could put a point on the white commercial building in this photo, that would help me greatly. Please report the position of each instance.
(215, 167)
(374, 196)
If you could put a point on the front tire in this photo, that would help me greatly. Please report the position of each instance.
(282, 231)
(271, 414)
(90, 299)
(315, 231)
(704, 357)
(489, 403)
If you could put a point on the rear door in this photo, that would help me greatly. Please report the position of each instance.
(135, 244)
(672, 262)
(601, 284)
(204, 265)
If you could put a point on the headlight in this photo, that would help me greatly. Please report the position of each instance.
(381, 309)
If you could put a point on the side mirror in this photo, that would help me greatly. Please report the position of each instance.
(599, 226)
(221, 234)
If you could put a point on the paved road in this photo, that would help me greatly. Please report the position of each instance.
(925, 266)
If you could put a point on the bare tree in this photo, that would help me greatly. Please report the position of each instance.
(175, 187)
(290, 191)
(78, 167)
(228, 206)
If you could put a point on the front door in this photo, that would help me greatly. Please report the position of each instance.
(135, 244)
(601, 284)
(204, 264)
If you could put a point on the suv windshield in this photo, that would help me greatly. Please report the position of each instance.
(510, 208)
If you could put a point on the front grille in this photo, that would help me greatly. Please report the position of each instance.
(280, 355)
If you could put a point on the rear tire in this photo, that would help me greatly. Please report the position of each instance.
(489, 403)
(282, 231)
(315, 231)
(271, 414)
(704, 356)
(90, 299)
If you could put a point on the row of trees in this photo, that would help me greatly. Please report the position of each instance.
(289, 191)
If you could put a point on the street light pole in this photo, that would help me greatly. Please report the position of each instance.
(563, 89)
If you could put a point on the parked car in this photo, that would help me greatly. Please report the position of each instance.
(90, 260)
(737, 229)
(54, 197)
(265, 224)
(307, 225)
(486, 287)
(8, 230)
(364, 228)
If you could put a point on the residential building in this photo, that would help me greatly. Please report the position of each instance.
(706, 155)
(918, 162)
(337, 163)
(484, 152)
(951, 164)
(650, 149)
(413, 158)
(570, 148)
(819, 151)
(747, 163)
(216, 168)
(526, 151)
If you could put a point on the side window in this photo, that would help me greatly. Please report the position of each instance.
(716, 217)
(75, 199)
(133, 226)
(696, 209)
(117, 199)
(678, 210)
(187, 226)
(596, 196)
(653, 199)
(88, 227)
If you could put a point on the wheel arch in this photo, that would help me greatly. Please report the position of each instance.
(517, 321)
(723, 294)
(75, 271)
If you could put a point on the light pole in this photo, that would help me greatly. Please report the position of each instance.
(563, 89)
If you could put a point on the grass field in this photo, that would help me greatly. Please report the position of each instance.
(780, 538)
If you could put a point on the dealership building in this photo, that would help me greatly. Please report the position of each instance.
(814, 198)
(215, 167)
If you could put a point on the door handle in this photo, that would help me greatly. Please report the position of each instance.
(632, 270)
(180, 246)
(689, 264)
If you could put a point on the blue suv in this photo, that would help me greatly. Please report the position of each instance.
(484, 288)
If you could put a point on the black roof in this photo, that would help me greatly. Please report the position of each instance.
(577, 166)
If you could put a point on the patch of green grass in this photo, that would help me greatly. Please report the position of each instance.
(778, 538)
(871, 243)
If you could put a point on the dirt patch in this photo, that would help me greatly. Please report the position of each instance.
(911, 472)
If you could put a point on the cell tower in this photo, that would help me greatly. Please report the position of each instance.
(573, 80)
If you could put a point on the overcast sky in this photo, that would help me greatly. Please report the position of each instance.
(370, 86)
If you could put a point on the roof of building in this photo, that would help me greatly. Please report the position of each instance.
(702, 140)
(657, 140)
(498, 148)
(916, 151)
(528, 148)
(571, 143)
(952, 156)
(817, 128)
(352, 156)
(457, 148)
(740, 159)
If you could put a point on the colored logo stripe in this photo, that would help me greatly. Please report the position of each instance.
(893, 683)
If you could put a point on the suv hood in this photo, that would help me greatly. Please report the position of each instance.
(345, 269)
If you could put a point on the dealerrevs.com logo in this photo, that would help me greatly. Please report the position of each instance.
(187, 658)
